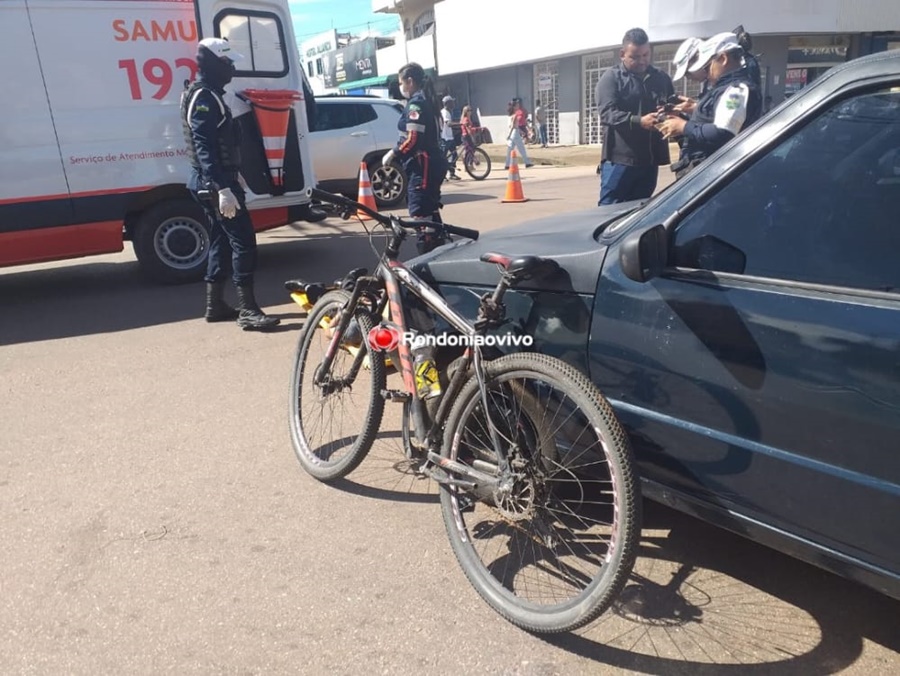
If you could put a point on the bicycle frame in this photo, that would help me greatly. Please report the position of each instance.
(391, 275)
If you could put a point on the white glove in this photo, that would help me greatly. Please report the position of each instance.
(228, 203)
(388, 158)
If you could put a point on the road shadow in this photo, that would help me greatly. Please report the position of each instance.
(704, 602)
(461, 197)
(103, 296)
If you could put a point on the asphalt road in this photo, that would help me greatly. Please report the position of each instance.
(156, 521)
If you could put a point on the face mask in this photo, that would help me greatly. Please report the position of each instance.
(404, 92)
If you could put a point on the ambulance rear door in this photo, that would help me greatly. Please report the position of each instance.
(265, 97)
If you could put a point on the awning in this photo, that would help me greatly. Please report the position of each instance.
(377, 81)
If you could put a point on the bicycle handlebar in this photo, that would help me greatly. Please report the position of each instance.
(351, 205)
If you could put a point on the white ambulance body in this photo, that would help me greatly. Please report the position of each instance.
(92, 150)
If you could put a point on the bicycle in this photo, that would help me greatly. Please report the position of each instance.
(476, 161)
(537, 490)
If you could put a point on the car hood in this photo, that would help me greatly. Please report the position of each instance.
(569, 239)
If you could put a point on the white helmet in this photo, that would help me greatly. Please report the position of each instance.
(683, 55)
(221, 48)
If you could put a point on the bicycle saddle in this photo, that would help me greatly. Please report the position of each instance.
(522, 267)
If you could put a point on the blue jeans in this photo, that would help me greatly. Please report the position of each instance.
(622, 183)
(542, 133)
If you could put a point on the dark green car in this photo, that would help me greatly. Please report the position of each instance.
(745, 323)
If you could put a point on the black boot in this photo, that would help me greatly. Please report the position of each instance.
(251, 318)
(217, 310)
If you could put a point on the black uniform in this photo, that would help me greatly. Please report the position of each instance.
(729, 106)
(213, 140)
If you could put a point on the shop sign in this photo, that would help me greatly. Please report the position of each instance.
(354, 62)
(825, 55)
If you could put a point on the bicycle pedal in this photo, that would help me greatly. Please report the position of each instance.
(395, 395)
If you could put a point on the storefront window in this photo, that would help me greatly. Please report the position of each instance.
(810, 56)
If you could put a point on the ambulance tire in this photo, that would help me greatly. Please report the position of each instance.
(171, 241)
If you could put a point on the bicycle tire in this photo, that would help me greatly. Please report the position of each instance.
(320, 460)
(529, 522)
(479, 165)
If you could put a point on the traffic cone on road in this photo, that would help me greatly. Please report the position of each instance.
(513, 182)
(366, 196)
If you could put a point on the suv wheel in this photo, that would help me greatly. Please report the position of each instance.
(388, 184)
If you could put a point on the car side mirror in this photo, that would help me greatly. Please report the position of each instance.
(644, 255)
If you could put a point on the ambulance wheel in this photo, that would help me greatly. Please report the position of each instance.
(388, 184)
(171, 242)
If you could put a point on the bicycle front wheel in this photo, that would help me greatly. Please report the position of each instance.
(335, 416)
(478, 164)
(551, 550)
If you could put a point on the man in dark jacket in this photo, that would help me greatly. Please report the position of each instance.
(213, 141)
(731, 103)
(628, 96)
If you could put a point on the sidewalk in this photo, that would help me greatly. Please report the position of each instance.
(562, 156)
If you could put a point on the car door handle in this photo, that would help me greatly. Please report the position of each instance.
(359, 133)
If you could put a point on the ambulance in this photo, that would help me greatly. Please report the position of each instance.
(91, 146)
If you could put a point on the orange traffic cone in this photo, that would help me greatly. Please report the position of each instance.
(513, 182)
(273, 114)
(366, 196)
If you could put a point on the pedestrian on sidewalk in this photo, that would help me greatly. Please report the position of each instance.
(448, 139)
(514, 139)
(628, 96)
(540, 121)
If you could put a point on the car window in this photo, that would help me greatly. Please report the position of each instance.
(335, 116)
(365, 113)
(823, 207)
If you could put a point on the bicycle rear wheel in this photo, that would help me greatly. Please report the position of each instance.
(552, 551)
(478, 164)
(333, 425)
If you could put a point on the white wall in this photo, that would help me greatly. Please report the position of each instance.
(392, 59)
(475, 35)
(501, 33)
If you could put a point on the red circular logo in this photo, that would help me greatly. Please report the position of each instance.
(383, 338)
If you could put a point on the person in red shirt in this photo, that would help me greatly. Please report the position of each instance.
(518, 121)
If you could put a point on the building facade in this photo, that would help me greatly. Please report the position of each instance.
(486, 53)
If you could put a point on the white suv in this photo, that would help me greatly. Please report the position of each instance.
(353, 129)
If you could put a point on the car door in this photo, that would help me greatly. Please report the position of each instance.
(761, 375)
(275, 157)
(342, 138)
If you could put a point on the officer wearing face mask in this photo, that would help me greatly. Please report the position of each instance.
(731, 103)
(213, 141)
(419, 151)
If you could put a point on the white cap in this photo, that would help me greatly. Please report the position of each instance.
(717, 44)
(221, 48)
(683, 55)
(447, 98)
